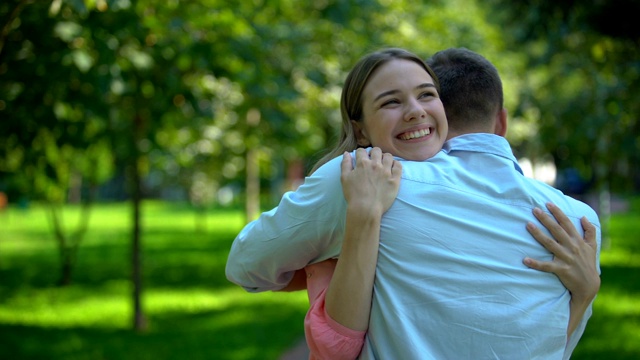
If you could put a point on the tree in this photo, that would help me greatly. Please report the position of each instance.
(581, 73)
(202, 94)
(583, 70)
(51, 132)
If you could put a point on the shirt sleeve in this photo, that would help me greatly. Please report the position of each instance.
(326, 338)
(306, 227)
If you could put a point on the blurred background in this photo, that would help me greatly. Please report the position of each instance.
(137, 137)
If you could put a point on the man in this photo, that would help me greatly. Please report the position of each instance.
(450, 282)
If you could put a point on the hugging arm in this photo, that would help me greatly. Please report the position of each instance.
(307, 226)
(574, 261)
(339, 317)
(369, 189)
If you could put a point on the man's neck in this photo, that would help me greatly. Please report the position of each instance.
(453, 134)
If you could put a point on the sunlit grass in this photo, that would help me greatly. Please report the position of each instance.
(193, 312)
(107, 307)
(614, 329)
(73, 306)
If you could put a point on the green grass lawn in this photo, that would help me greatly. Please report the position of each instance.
(614, 330)
(193, 312)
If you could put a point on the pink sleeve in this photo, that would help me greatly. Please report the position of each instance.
(326, 338)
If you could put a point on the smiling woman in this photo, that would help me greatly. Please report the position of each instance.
(363, 91)
(389, 100)
(402, 113)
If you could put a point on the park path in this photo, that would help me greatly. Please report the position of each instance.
(299, 351)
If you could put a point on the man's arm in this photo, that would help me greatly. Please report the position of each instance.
(574, 262)
(307, 226)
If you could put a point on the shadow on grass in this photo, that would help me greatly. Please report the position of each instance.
(609, 336)
(174, 261)
(612, 332)
(170, 259)
(621, 279)
(226, 334)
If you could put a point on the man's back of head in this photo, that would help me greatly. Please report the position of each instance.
(470, 89)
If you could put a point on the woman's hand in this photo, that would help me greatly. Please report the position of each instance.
(574, 260)
(374, 182)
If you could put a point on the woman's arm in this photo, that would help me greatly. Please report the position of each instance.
(298, 282)
(340, 293)
(574, 260)
(370, 188)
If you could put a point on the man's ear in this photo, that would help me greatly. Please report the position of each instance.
(359, 131)
(501, 123)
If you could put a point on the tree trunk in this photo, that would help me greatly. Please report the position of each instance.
(68, 245)
(201, 219)
(66, 267)
(252, 204)
(139, 320)
(604, 210)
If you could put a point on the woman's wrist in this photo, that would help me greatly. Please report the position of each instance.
(364, 210)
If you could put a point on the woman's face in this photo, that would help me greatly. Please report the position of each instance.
(402, 112)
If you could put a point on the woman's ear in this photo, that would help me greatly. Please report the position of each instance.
(359, 131)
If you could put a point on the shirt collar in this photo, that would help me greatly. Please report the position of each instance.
(484, 143)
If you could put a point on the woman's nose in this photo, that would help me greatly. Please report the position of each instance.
(414, 111)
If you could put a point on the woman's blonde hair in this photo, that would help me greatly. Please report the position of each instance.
(351, 99)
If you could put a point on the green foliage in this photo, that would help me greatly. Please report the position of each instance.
(189, 86)
(581, 73)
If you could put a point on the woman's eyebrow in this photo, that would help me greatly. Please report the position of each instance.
(425, 85)
(391, 92)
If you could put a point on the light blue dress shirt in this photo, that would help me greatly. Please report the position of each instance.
(450, 283)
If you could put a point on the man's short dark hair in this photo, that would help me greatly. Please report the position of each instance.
(470, 88)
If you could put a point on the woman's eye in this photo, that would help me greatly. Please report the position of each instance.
(427, 94)
(390, 102)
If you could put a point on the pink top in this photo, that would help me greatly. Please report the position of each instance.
(326, 338)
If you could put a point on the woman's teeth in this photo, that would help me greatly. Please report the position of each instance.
(414, 134)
